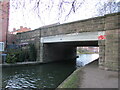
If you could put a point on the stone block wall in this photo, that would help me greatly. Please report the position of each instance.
(109, 51)
(112, 28)
(112, 49)
(109, 48)
(88, 25)
(112, 21)
(30, 37)
(101, 44)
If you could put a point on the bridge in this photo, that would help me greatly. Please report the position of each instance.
(59, 42)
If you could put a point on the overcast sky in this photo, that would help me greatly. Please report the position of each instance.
(28, 18)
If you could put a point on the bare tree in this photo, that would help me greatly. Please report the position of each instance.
(60, 10)
(107, 7)
(63, 8)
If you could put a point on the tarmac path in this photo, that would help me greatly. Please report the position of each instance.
(91, 76)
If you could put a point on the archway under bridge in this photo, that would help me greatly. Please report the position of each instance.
(64, 50)
(63, 47)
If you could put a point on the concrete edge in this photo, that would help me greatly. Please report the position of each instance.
(70, 78)
(74, 74)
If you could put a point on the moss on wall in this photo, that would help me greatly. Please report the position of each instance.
(72, 81)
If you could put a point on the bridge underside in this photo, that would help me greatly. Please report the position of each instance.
(63, 47)
(60, 48)
(63, 50)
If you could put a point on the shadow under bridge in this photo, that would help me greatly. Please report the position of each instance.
(63, 47)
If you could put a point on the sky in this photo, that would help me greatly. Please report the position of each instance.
(27, 17)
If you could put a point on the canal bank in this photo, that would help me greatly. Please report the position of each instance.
(36, 76)
(91, 76)
(20, 64)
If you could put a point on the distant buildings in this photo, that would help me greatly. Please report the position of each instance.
(89, 49)
(5, 36)
(4, 20)
(12, 35)
(22, 29)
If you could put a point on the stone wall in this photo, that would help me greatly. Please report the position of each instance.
(101, 44)
(88, 25)
(107, 22)
(112, 49)
(30, 37)
(112, 28)
(109, 48)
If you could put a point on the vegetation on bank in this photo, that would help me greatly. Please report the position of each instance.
(21, 55)
(72, 81)
(85, 52)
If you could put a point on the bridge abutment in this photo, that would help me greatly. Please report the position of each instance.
(101, 44)
(57, 52)
(112, 49)
(109, 49)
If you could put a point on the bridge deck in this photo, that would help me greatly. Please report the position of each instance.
(86, 36)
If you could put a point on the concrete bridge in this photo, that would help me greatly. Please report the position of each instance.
(59, 42)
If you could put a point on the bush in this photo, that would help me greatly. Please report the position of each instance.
(11, 58)
(32, 52)
(15, 56)
(21, 55)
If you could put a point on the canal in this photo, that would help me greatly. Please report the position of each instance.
(43, 75)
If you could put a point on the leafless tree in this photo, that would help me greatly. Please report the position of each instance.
(63, 8)
(107, 7)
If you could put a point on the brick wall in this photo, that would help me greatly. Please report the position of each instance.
(4, 19)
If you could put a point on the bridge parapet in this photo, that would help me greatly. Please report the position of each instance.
(112, 21)
(103, 23)
(88, 25)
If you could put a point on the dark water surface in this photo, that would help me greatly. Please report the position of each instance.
(40, 76)
(37, 76)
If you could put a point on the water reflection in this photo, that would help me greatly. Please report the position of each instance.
(85, 59)
(38, 76)
(42, 76)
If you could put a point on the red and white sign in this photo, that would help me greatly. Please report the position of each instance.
(102, 37)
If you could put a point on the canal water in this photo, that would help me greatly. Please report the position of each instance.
(85, 59)
(43, 75)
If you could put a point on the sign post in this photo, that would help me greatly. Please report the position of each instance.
(2, 46)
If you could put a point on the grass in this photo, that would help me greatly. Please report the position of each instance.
(72, 81)
(85, 52)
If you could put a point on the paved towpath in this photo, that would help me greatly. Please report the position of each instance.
(93, 77)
